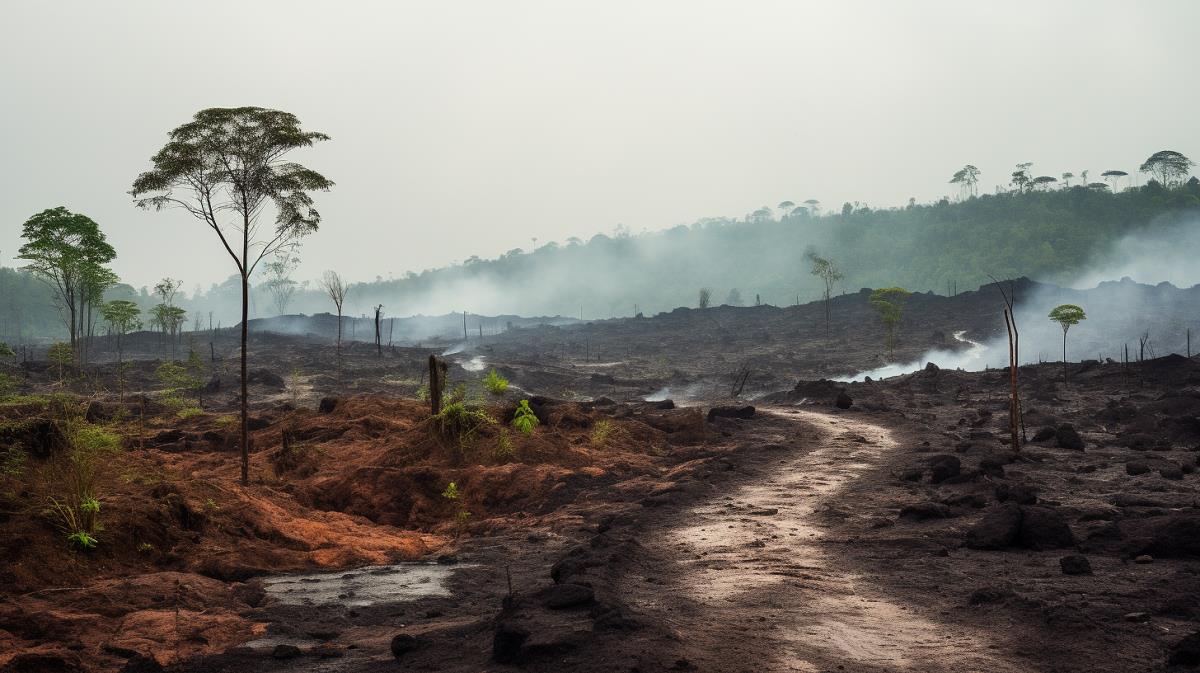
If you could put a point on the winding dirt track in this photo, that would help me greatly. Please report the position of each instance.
(749, 583)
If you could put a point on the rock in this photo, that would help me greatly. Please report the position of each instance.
(914, 474)
(993, 465)
(506, 643)
(1044, 528)
(843, 400)
(1075, 564)
(328, 651)
(1174, 536)
(1186, 652)
(943, 467)
(1068, 438)
(1143, 559)
(1044, 434)
(165, 437)
(403, 643)
(922, 511)
(932, 368)
(998, 529)
(1022, 494)
(1137, 617)
(1136, 467)
(563, 596)
(327, 405)
(255, 423)
(1172, 472)
(286, 652)
(730, 412)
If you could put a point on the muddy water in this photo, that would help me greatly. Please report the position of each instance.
(362, 587)
(758, 556)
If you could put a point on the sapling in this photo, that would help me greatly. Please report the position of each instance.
(1067, 315)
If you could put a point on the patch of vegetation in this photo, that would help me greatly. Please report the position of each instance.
(13, 462)
(524, 420)
(226, 422)
(74, 507)
(494, 383)
(457, 419)
(62, 355)
(461, 515)
(189, 412)
(179, 382)
(504, 445)
(602, 431)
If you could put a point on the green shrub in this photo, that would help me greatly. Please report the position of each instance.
(61, 354)
(82, 540)
(6, 351)
(458, 420)
(495, 383)
(601, 431)
(451, 492)
(189, 412)
(524, 420)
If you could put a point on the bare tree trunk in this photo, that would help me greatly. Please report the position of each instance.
(1014, 404)
(245, 398)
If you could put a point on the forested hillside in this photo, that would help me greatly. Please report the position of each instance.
(1047, 235)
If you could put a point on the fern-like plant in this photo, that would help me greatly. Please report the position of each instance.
(524, 420)
(495, 383)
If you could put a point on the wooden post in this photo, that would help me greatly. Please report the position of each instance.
(435, 386)
(465, 337)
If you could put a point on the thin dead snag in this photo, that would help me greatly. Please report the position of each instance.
(437, 381)
(1014, 343)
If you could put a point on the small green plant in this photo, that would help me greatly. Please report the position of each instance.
(178, 381)
(602, 431)
(504, 445)
(461, 514)
(7, 385)
(146, 548)
(6, 351)
(524, 420)
(82, 540)
(13, 462)
(495, 383)
(226, 422)
(189, 412)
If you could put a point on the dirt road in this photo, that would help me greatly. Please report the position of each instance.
(748, 581)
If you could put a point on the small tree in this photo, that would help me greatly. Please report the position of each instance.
(336, 288)
(827, 271)
(68, 252)
(889, 302)
(378, 329)
(62, 355)
(122, 317)
(231, 161)
(279, 281)
(734, 298)
(1112, 177)
(1066, 316)
(705, 297)
(966, 178)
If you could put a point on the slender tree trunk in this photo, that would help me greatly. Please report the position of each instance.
(1064, 355)
(245, 398)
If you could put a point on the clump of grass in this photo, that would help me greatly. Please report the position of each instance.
(602, 431)
(524, 420)
(495, 383)
(75, 509)
(226, 422)
(504, 445)
(463, 422)
(189, 412)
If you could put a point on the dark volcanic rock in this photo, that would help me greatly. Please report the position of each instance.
(327, 405)
(926, 510)
(730, 412)
(1172, 472)
(286, 652)
(1068, 437)
(1022, 494)
(990, 594)
(1136, 467)
(403, 643)
(1044, 434)
(943, 467)
(998, 529)
(1075, 564)
(1172, 536)
(1186, 652)
(843, 400)
(1044, 528)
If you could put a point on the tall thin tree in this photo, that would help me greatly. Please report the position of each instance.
(226, 167)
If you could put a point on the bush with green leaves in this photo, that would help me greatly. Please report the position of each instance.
(504, 445)
(457, 419)
(602, 431)
(75, 508)
(461, 514)
(524, 420)
(495, 383)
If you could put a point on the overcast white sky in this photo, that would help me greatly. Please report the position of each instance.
(464, 128)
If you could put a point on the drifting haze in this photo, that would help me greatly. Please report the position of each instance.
(473, 128)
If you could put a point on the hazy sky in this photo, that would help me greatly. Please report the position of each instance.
(469, 128)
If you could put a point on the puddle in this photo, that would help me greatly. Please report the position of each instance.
(364, 586)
